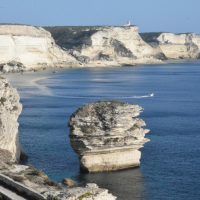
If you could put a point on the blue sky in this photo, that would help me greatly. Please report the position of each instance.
(176, 16)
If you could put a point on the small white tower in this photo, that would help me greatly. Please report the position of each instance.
(128, 24)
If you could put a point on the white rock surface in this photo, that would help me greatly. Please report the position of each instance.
(32, 46)
(175, 46)
(10, 109)
(90, 192)
(117, 46)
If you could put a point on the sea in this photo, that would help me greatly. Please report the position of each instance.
(170, 162)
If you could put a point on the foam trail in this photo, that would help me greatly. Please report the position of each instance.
(135, 97)
(98, 97)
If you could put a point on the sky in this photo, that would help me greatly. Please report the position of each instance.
(177, 16)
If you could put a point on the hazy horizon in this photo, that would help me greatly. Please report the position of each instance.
(177, 16)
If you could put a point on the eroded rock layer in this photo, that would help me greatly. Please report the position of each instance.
(10, 109)
(107, 135)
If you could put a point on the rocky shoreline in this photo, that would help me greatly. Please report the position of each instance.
(25, 179)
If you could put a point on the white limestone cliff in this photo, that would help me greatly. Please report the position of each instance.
(10, 109)
(32, 46)
(175, 46)
(115, 46)
(107, 136)
(91, 47)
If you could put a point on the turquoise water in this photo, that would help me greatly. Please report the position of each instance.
(170, 161)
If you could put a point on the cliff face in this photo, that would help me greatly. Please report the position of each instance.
(105, 46)
(106, 136)
(174, 46)
(91, 46)
(10, 109)
(32, 46)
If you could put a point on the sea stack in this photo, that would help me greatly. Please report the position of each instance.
(107, 135)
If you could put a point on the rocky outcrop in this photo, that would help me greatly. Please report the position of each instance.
(90, 192)
(26, 180)
(105, 46)
(107, 135)
(174, 46)
(12, 66)
(36, 187)
(32, 46)
(34, 184)
(10, 109)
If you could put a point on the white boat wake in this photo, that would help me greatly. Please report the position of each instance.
(135, 97)
(100, 97)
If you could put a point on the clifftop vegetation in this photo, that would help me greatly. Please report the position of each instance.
(71, 32)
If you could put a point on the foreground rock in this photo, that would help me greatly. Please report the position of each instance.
(10, 109)
(90, 192)
(106, 136)
(28, 180)
(25, 179)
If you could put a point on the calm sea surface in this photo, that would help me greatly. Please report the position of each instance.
(170, 163)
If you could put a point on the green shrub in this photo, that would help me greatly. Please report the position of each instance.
(55, 198)
(9, 163)
(7, 84)
(15, 108)
(19, 64)
(31, 166)
(3, 99)
(52, 183)
(11, 64)
(84, 195)
(36, 173)
(18, 178)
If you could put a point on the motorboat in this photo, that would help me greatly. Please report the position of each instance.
(151, 95)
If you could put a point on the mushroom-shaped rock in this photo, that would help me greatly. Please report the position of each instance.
(107, 135)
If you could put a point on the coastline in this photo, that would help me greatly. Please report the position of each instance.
(35, 184)
(157, 96)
